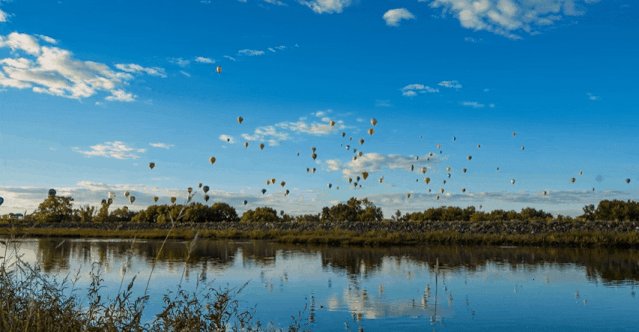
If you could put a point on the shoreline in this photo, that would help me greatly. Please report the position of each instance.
(541, 234)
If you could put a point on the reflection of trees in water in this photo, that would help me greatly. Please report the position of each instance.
(609, 265)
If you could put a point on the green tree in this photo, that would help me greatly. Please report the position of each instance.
(261, 214)
(223, 212)
(84, 213)
(54, 209)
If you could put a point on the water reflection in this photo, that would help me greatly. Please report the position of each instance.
(606, 265)
(407, 288)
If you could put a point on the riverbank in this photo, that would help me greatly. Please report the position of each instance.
(530, 233)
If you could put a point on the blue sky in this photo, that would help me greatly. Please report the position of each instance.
(91, 92)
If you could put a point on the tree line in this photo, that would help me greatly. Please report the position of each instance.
(56, 209)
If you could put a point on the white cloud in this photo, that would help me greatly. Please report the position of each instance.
(226, 138)
(180, 62)
(20, 199)
(230, 58)
(202, 59)
(375, 162)
(450, 84)
(160, 145)
(21, 42)
(283, 131)
(412, 90)
(115, 149)
(475, 104)
(121, 95)
(593, 97)
(394, 16)
(47, 39)
(3, 16)
(54, 71)
(136, 69)
(326, 6)
(249, 52)
(269, 134)
(509, 17)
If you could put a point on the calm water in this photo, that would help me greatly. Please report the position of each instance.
(379, 289)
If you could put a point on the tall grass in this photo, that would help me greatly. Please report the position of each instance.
(35, 301)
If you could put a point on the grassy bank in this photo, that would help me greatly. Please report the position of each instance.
(611, 234)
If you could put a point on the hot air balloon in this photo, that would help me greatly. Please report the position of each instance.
(1, 201)
(189, 190)
(454, 138)
(126, 194)
(283, 183)
(371, 131)
(573, 180)
(52, 192)
(173, 200)
(465, 170)
(199, 185)
(218, 69)
(628, 180)
(343, 134)
(424, 170)
(427, 180)
(287, 192)
(469, 157)
(110, 201)
(263, 191)
(245, 202)
(206, 198)
(523, 148)
(330, 185)
(374, 122)
(365, 175)
(512, 181)
(205, 189)
(314, 156)
(381, 180)
(212, 160)
(361, 141)
(132, 199)
(331, 123)
(246, 144)
(408, 195)
(545, 193)
(156, 199)
(514, 133)
(463, 190)
(240, 119)
(261, 146)
(479, 146)
(151, 165)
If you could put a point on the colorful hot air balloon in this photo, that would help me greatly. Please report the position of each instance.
(132, 199)
(374, 122)
(173, 199)
(156, 199)
(246, 144)
(218, 69)
(1, 201)
(189, 190)
(261, 146)
(628, 180)
(365, 175)
(52, 192)
(206, 198)
(151, 165)
(212, 160)
(331, 123)
(240, 119)
(205, 189)
(283, 183)
(245, 202)
(371, 131)
(126, 194)
(263, 191)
